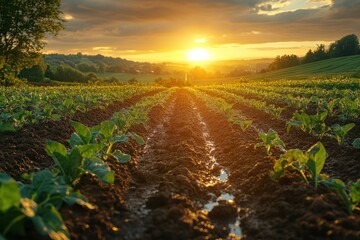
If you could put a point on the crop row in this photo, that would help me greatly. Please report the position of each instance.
(308, 164)
(35, 203)
(315, 124)
(30, 105)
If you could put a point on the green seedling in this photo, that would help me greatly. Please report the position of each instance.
(270, 140)
(339, 132)
(350, 194)
(309, 164)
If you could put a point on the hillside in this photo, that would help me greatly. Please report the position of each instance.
(339, 65)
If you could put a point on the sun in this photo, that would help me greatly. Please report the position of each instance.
(198, 54)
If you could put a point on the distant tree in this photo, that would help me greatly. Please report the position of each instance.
(92, 77)
(309, 57)
(346, 46)
(36, 73)
(66, 73)
(84, 67)
(23, 25)
(49, 73)
(320, 53)
(284, 61)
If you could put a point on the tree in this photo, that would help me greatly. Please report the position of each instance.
(36, 73)
(346, 46)
(23, 25)
(284, 61)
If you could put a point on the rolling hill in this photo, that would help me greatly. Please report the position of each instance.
(341, 65)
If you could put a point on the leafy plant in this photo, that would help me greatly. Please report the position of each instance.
(312, 124)
(71, 164)
(244, 124)
(270, 140)
(309, 164)
(350, 195)
(36, 203)
(339, 132)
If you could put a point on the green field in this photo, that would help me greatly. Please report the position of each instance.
(341, 65)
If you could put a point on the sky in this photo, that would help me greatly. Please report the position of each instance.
(170, 30)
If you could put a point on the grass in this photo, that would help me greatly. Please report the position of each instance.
(334, 66)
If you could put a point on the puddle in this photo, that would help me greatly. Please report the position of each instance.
(234, 228)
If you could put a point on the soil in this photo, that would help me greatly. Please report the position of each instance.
(197, 177)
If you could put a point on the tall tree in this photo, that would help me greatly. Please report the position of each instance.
(23, 26)
(346, 46)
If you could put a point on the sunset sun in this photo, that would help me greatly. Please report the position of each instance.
(198, 54)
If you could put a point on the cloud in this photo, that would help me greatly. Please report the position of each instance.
(158, 25)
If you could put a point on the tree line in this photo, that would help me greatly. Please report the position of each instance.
(346, 46)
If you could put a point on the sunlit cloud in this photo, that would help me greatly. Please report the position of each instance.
(68, 17)
(155, 30)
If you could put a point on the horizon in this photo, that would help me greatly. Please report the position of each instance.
(202, 31)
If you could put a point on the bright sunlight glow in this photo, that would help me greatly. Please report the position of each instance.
(198, 54)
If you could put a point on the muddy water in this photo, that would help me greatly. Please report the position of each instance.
(179, 190)
(223, 177)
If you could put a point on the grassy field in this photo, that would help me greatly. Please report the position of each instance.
(342, 65)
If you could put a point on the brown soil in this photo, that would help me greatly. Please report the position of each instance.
(165, 191)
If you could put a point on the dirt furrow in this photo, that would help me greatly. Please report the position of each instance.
(177, 181)
(288, 209)
(342, 160)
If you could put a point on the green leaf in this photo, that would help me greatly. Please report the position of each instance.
(138, 139)
(348, 127)
(107, 129)
(121, 157)
(53, 147)
(72, 165)
(354, 190)
(100, 169)
(356, 143)
(317, 154)
(90, 150)
(9, 193)
(82, 130)
(7, 127)
(68, 164)
(294, 155)
(76, 140)
(68, 102)
(48, 221)
(120, 138)
(78, 198)
(316, 160)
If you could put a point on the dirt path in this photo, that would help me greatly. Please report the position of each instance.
(178, 181)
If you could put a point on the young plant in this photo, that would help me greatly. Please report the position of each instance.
(309, 164)
(79, 160)
(339, 132)
(36, 203)
(244, 124)
(316, 156)
(270, 140)
(350, 195)
(312, 124)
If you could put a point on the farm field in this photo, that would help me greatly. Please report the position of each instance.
(250, 160)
